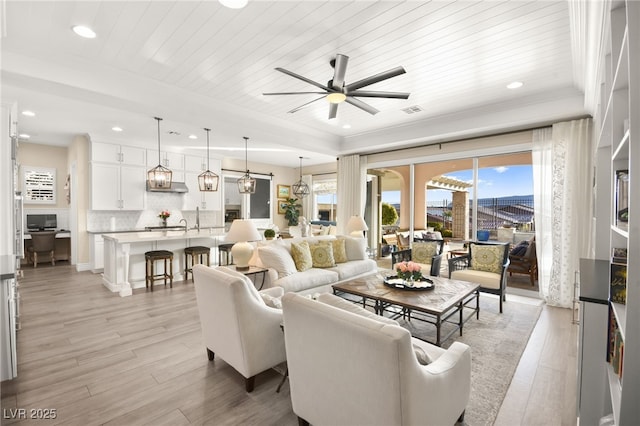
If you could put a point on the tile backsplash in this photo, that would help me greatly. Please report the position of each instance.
(118, 220)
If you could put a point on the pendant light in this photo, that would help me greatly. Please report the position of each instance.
(246, 184)
(208, 181)
(159, 177)
(300, 189)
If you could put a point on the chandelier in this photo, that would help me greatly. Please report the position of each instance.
(208, 181)
(159, 177)
(246, 184)
(300, 189)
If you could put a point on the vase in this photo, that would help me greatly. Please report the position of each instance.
(164, 222)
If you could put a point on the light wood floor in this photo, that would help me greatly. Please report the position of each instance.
(97, 358)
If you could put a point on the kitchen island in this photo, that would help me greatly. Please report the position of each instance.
(124, 264)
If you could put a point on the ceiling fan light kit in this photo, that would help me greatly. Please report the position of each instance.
(337, 91)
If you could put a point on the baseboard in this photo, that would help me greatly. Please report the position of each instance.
(80, 267)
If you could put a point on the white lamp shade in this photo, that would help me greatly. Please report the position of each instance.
(356, 224)
(242, 231)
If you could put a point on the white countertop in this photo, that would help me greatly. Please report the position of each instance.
(134, 237)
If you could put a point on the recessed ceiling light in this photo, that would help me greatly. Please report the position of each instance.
(24, 136)
(29, 113)
(234, 4)
(83, 31)
(193, 137)
(346, 126)
(116, 129)
(515, 85)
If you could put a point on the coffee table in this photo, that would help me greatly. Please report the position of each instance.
(446, 302)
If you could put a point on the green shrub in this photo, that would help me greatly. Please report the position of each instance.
(447, 233)
(389, 214)
(269, 233)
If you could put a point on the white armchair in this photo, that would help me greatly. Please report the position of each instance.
(348, 366)
(236, 323)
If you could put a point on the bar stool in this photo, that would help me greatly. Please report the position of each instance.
(196, 253)
(226, 249)
(150, 258)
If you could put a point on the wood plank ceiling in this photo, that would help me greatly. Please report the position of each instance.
(458, 55)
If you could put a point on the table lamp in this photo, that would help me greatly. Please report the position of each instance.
(356, 225)
(242, 231)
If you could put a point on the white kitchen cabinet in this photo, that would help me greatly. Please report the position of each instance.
(117, 187)
(171, 160)
(117, 154)
(193, 163)
(97, 253)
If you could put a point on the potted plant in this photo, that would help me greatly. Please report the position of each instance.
(291, 211)
(389, 217)
(269, 234)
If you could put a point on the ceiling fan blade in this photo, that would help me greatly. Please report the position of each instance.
(295, 93)
(374, 79)
(375, 94)
(363, 106)
(299, 77)
(304, 105)
(333, 110)
(340, 69)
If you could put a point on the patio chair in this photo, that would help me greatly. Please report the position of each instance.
(427, 253)
(525, 263)
(485, 264)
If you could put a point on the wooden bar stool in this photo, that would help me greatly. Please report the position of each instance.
(226, 249)
(196, 253)
(150, 258)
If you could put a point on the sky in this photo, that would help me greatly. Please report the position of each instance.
(493, 182)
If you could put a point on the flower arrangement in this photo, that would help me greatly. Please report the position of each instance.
(164, 214)
(408, 270)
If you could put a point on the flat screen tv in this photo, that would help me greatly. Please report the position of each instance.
(40, 222)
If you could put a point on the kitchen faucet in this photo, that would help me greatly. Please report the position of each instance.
(186, 227)
(198, 218)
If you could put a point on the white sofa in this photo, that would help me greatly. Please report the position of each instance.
(282, 272)
(349, 366)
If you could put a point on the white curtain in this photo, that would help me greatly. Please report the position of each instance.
(307, 202)
(351, 194)
(563, 195)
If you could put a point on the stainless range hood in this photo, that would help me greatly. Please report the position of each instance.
(176, 187)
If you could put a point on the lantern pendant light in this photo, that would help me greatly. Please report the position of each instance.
(208, 181)
(300, 189)
(246, 184)
(159, 177)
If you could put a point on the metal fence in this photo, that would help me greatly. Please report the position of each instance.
(493, 213)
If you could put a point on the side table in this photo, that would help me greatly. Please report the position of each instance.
(253, 271)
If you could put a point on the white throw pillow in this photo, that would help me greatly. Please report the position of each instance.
(271, 301)
(277, 257)
(356, 248)
(421, 355)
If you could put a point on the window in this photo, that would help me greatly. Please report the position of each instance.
(39, 185)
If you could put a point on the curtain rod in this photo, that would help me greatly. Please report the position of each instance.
(541, 126)
(250, 172)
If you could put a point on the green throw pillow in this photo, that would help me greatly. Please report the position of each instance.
(339, 251)
(301, 256)
(487, 258)
(423, 252)
(322, 255)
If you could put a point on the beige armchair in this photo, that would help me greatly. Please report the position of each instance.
(236, 323)
(485, 264)
(349, 366)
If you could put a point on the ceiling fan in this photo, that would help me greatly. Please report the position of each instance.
(337, 91)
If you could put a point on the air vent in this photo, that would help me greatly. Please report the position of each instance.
(412, 109)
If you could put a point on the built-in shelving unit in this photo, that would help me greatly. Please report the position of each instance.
(617, 212)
